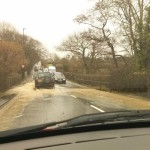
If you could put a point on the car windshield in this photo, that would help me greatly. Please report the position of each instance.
(96, 53)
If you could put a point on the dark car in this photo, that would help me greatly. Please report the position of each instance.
(60, 78)
(44, 79)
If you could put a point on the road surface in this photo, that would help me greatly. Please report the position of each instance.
(32, 107)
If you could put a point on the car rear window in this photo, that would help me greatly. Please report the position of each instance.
(44, 74)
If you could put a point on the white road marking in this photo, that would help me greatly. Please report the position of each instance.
(73, 96)
(18, 116)
(97, 108)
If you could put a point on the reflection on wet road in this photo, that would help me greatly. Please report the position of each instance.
(51, 108)
(59, 104)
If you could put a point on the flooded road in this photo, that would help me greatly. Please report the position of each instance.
(32, 107)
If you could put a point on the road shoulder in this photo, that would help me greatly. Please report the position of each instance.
(127, 100)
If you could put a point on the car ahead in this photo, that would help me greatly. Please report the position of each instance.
(44, 79)
(60, 78)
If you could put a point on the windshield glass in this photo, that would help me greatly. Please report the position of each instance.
(97, 53)
(44, 74)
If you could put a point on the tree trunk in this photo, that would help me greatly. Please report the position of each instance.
(110, 45)
(92, 58)
(85, 63)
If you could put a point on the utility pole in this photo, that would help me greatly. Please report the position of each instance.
(23, 67)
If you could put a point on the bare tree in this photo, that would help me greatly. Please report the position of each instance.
(84, 46)
(78, 46)
(11, 57)
(7, 32)
(33, 49)
(131, 19)
(98, 18)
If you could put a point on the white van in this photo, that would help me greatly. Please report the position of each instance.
(52, 69)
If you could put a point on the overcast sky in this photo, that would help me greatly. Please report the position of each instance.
(48, 21)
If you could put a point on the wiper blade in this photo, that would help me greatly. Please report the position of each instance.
(126, 116)
(25, 130)
(87, 119)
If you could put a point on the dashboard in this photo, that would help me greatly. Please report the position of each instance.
(118, 139)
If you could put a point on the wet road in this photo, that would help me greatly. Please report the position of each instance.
(59, 106)
(32, 107)
(49, 108)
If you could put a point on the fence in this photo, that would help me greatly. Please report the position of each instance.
(7, 82)
(99, 81)
(116, 81)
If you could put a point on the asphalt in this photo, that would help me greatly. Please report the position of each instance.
(49, 108)
(33, 107)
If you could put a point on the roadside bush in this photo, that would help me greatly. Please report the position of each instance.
(11, 57)
(126, 79)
